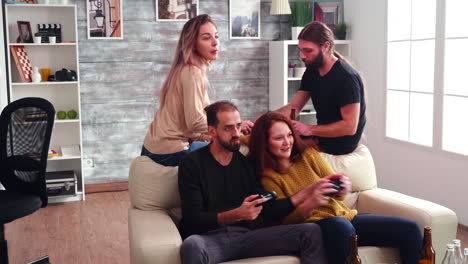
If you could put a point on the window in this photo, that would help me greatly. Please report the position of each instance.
(412, 73)
(455, 106)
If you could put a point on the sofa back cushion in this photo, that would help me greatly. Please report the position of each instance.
(358, 166)
(153, 186)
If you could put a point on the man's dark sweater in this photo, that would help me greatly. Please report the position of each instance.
(208, 188)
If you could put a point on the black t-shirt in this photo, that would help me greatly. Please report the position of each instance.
(208, 188)
(341, 86)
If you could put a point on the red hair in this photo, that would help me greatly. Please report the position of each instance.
(258, 144)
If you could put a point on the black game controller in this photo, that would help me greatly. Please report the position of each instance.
(271, 195)
(337, 186)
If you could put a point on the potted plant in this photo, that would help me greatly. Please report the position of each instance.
(37, 37)
(340, 30)
(301, 15)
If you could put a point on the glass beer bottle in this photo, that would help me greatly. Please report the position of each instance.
(427, 253)
(354, 256)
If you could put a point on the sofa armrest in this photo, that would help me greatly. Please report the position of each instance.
(442, 220)
(154, 238)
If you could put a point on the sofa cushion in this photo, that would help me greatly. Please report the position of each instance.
(153, 186)
(358, 166)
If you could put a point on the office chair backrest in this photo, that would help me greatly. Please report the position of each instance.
(25, 132)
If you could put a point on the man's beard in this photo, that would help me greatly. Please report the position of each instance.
(317, 62)
(230, 146)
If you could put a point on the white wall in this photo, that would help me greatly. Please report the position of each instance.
(417, 171)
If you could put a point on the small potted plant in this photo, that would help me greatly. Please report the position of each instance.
(301, 15)
(340, 30)
(37, 37)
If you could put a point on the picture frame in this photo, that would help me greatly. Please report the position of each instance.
(244, 19)
(24, 30)
(176, 10)
(104, 19)
(21, 1)
(329, 12)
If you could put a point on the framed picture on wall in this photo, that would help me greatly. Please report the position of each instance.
(104, 19)
(176, 10)
(244, 19)
(329, 12)
(21, 1)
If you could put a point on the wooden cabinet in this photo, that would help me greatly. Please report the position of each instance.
(64, 95)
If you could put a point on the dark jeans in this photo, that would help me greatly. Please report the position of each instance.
(233, 242)
(172, 159)
(372, 230)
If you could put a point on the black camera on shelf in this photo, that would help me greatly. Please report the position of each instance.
(65, 75)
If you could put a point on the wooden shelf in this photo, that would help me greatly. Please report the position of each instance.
(62, 121)
(42, 44)
(64, 158)
(41, 83)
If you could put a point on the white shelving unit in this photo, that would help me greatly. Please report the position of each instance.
(283, 88)
(64, 96)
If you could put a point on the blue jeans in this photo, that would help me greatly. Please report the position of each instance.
(372, 230)
(173, 159)
(234, 242)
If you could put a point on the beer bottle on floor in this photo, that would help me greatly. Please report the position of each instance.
(427, 253)
(449, 257)
(465, 256)
(354, 256)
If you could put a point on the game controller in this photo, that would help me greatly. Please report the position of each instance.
(271, 195)
(337, 186)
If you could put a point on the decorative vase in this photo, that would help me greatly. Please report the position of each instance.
(36, 76)
(295, 32)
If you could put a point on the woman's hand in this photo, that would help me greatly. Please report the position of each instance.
(315, 196)
(246, 127)
(345, 183)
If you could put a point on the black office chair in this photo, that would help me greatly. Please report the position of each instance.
(25, 132)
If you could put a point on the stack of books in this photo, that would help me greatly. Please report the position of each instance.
(35, 115)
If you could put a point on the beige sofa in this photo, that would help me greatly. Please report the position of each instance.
(154, 211)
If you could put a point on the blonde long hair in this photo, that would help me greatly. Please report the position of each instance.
(186, 53)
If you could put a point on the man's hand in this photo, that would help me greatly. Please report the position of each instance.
(248, 209)
(246, 127)
(302, 129)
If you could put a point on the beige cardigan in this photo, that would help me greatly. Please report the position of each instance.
(182, 117)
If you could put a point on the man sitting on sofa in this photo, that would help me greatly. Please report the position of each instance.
(222, 219)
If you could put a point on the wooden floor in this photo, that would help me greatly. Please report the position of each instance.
(88, 232)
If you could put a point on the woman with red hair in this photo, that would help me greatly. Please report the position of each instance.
(286, 166)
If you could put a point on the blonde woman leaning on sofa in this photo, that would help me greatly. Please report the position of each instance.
(179, 126)
(287, 167)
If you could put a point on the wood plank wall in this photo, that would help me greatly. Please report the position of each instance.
(120, 79)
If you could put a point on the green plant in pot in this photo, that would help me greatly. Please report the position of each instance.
(301, 15)
(340, 30)
(37, 37)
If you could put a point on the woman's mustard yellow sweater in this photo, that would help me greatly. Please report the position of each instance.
(309, 169)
